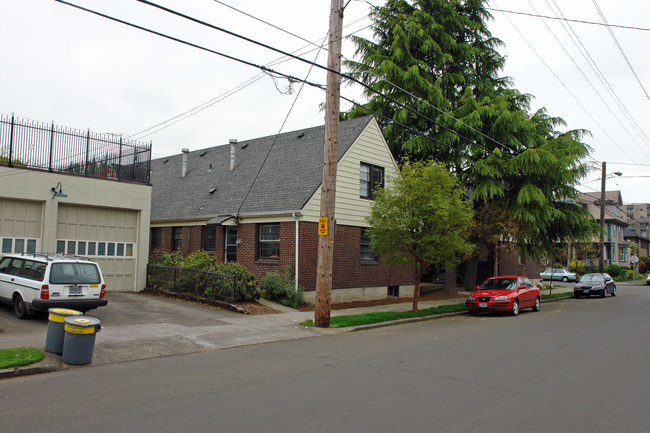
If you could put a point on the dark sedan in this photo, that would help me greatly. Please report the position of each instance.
(595, 284)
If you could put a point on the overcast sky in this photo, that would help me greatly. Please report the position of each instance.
(86, 72)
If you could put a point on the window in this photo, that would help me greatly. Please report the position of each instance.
(60, 247)
(129, 250)
(268, 241)
(209, 238)
(370, 177)
(101, 248)
(231, 244)
(366, 252)
(622, 254)
(91, 248)
(72, 248)
(156, 237)
(6, 245)
(177, 238)
(110, 249)
(120, 250)
(19, 246)
(81, 248)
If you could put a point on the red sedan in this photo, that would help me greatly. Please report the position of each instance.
(506, 294)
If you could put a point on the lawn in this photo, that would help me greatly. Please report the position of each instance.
(20, 356)
(386, 316)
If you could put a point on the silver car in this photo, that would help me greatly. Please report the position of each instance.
(558, 274)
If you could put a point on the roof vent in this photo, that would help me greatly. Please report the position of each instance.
(233, 143)
(212, 191)
(184, 169)
(302, 134)
(203, 153)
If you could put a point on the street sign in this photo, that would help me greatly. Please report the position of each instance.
(634, 260)
(322, 226)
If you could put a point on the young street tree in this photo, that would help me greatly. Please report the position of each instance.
(420, 218)
(438, 63)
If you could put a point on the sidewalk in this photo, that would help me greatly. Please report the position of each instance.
(176, 328)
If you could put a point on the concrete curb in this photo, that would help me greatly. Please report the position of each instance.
(50, 363)
(432, 317)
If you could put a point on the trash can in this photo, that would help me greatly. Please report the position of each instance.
(55, 328)
(79, 339)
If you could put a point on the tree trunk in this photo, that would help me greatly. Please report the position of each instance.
(471, 272)
(496, 259)
(450, 279)
(416, 289)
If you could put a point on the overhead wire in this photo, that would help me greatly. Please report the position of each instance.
(607, 106)
(263, 68)
(565, 86)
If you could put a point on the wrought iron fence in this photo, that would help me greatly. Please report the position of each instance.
(32, 144)
(203, 284)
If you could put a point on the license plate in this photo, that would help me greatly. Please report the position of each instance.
(585, 291)
(482, 304)
(74, 291)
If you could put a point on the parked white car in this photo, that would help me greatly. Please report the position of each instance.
(558, 274)
(37, 282)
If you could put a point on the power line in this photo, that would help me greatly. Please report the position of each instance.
(569, 20)
(621, 50)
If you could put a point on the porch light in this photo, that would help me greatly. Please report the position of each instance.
(58, 190)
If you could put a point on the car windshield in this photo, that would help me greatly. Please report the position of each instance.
(590, 278)
(74, 273)
(500, 284)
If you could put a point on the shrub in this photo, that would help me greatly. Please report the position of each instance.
(613, 270)
(577, 266)
(246, 288)
(642, 266)
(200, 260)
(165, 258)
(282, 289)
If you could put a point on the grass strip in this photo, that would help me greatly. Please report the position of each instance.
(20, 356)
(557, 295)
(385, 316)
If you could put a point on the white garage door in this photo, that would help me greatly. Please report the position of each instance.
(20, 225)
(107, 235)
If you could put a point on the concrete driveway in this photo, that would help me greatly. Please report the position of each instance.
(141, 326)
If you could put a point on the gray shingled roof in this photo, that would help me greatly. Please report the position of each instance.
(288, 178)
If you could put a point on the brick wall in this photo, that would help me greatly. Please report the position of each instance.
(348, 271)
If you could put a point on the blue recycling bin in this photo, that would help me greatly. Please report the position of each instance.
(79, 339)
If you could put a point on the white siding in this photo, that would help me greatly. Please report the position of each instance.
(370, 147)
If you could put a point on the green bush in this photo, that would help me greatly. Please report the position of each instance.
(200, 260)
(246, 288)
(282, 289)
(577, 266)
(613, 270)
(165, 258)
(642, 266)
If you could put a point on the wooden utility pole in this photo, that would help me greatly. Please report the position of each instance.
(326, 224)
(602, 221)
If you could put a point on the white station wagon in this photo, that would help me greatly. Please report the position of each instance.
(37, 282)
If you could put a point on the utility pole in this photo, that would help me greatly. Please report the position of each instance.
(326, 223)
(602, 220)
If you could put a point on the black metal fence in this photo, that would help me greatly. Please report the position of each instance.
(32, 144)
(209, 285)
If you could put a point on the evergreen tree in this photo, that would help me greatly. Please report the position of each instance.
(439, 67)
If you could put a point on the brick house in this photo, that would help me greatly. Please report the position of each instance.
(257, 203)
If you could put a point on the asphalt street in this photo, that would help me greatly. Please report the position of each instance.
(579, 365)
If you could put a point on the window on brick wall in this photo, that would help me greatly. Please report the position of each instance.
(268, 241)
(370, 177)
(156, 237)
(177, 238)
(231, 244)
(209, 241)
(366, 252)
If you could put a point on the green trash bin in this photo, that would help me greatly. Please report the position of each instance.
(79, 339)
(55, 328)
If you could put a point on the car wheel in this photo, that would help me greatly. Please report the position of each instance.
(604, 294)
(576, 295)
(20, 309)
(474, 313)
(614, 291)
(565, 279)
(515, 308)
(537, 304)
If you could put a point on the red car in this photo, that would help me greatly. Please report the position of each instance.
(506, 294)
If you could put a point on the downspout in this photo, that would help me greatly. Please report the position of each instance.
(297, 246)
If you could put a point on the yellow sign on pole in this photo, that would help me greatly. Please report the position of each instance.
(322, 226)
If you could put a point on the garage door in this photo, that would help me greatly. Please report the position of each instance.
(20, 225)
(107, 235)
